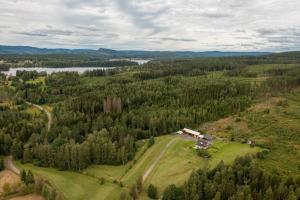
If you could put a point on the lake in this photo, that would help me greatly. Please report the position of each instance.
(80, 70)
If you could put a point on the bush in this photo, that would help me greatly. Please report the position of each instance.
(262, 154)
(6, 188)
(121, 184)
(102, 180)
(173, 193)
(238, 119)
(152, 191)
(151, 141)
(203, 153)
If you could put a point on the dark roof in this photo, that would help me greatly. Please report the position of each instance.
(208, 137)
(202, 142)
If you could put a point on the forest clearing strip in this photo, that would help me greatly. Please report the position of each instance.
(150, 169)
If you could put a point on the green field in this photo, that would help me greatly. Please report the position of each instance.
(178, 161)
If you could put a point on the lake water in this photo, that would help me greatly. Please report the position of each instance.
(139, 61)
(80, 70)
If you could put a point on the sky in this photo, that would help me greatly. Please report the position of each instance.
(195, 25)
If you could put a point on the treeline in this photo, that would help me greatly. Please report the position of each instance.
(57, 61)
(97, 148)
(4, 67)
(120, 63)
(187, 67)
(27, 75)
(101, 72)
(242, 180)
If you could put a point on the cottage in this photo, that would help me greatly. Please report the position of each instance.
(190, 132)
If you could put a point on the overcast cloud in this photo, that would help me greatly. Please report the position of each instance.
(199, 25)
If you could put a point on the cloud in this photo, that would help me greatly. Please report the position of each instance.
(143, 19)
(198, 25)
(178, 39)
(32, 34)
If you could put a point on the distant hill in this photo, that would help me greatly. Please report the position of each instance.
(176, 54)
(28, 50)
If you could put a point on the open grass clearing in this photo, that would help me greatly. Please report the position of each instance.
(9, 177)
(175, 165)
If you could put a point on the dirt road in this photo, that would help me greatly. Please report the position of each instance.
(150, 169)
(47, 113)
(8, 161)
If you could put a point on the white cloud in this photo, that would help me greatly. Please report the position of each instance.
(229, 25)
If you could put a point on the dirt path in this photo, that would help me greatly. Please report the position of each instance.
(8, 161)
(47, 113)
(150, 169)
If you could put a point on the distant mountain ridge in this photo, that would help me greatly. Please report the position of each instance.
(28, 50)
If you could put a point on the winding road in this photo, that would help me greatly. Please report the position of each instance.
(8, 161)
(153, 165)
(44, 110)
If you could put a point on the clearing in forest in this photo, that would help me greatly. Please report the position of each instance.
(9, 177)
(177, 159)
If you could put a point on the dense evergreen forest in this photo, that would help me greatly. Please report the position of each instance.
(100, 115)
(59, 60)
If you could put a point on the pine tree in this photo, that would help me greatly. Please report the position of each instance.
(152, 191)
(29, 178)
(24, 176)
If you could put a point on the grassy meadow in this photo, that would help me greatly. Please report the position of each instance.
(176, 164)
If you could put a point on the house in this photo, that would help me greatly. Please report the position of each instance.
(179, 132)
(190, 132)
(202, 144)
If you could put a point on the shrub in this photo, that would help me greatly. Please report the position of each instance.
(203, 153)
(151, 141)
(102, 180)
(6, 188)
(152, 191)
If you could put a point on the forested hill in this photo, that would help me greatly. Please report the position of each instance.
(27, 50)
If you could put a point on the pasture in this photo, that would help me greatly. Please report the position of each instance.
(175, 165)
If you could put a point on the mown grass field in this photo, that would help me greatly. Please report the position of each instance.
(175, 165)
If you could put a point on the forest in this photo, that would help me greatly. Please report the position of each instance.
(100, 116)
(242, 180)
